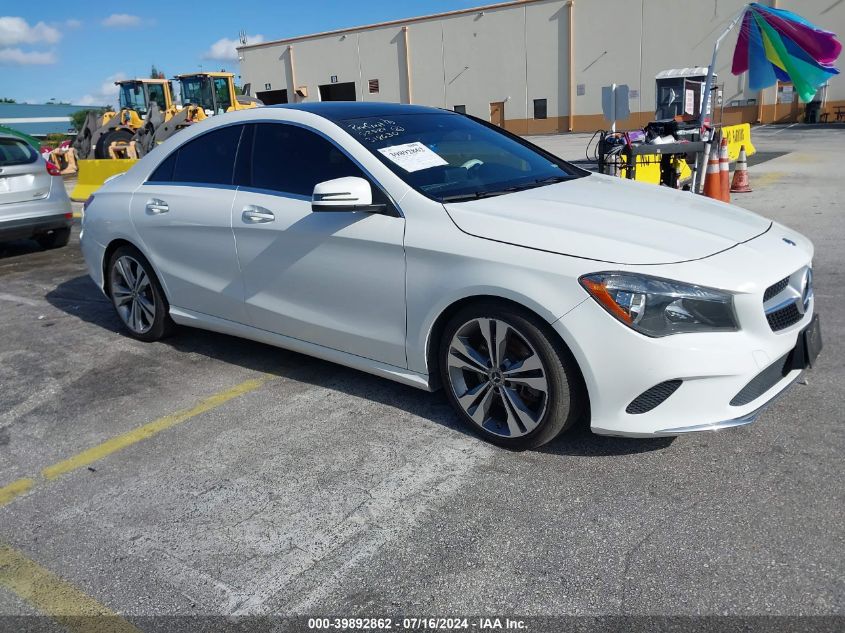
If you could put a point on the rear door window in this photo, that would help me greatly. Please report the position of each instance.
(207, 159)
(16, 152)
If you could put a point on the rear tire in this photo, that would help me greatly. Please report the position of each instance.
(118, 134)
(137, 296)
(507, 377)
(54, 239)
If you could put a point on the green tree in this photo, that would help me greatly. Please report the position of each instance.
(77, 119)
(54, 140)
(7, 100)
(155, 73)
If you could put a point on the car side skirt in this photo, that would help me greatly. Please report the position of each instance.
(223, 326)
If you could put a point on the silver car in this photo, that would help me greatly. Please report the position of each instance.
(33, 200)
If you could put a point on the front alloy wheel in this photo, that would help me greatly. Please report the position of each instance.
(507, 378)
(498, 378)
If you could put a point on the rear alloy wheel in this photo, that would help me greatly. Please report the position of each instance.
(137, 295)
(506, 378)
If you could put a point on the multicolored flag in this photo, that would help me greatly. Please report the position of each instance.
(777, 45)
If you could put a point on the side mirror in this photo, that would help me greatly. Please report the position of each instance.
(344, 194)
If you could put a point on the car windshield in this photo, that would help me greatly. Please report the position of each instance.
(454, 158)
(16, 152)
(132, 98)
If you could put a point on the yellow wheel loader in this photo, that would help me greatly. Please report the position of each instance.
(105, 138)
(203, 95)
(137, 96)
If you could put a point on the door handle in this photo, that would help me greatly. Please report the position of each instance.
(253, 214)
(156, 206)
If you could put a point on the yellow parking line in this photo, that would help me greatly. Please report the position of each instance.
(57, 598)
(7, 493)
(120, 442)
(115, 444)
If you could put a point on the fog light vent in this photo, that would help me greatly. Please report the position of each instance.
(651, 398)
(762, 382)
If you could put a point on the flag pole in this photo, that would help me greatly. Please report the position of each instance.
(705, 100)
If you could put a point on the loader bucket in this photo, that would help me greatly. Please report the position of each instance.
(93, 173)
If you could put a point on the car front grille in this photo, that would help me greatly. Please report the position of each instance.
(775, 289)
(762, 382)
(786, 302)
(783, 318)
(650, 398)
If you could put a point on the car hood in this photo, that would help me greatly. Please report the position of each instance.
(611, 220)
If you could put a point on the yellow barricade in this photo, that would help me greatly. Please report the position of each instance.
(648, 168)
(93, 173)
(738, 135)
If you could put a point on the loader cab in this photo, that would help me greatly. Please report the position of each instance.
(213, 92)
(159, 93)
(133, 97)
(138, 94)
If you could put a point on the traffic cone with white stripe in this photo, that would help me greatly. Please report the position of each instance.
(713, 180)
(725, 170)
(740, 183)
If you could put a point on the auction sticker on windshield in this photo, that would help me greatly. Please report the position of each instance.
(412, 156)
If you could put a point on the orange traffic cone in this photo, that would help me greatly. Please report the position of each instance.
(725, 170)
(713, 180)
(740, 183)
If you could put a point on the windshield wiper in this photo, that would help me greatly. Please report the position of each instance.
(465, 197)
(551, 180)
(477, 195)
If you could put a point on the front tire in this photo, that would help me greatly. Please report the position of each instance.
(507, 377)
(137, 295)
(120, 135)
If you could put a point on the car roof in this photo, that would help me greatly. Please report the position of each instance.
(5, 135)
(342, 110)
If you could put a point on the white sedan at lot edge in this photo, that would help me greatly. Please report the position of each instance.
(435, 249)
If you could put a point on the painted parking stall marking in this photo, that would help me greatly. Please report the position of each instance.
(64, 603)
(81, 460)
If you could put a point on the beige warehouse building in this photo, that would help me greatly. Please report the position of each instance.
(533, 66)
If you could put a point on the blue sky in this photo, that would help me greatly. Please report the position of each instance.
(73, 51)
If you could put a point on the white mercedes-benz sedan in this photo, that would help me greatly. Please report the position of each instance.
(435, 249)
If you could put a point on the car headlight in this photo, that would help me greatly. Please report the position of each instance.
(660, 307)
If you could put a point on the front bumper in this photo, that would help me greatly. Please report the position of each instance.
(619, 365)
(93, 253)
(748, 418)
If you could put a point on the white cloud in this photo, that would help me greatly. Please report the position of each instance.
(106, 94)
(121, 20)
(225, 50)
(17, 57)
(72, 24)
(15, 31)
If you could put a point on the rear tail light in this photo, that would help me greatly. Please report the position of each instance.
(88, 202)
(52, 169)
